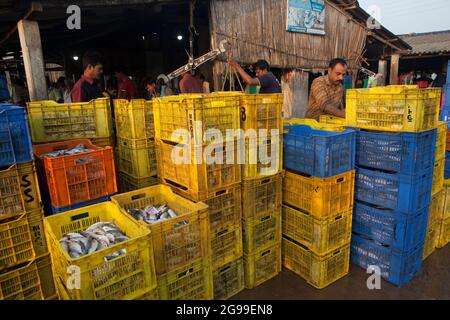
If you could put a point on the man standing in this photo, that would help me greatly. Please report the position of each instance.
(126, 88)
(327, 93)
(86, 88)
(264, 78)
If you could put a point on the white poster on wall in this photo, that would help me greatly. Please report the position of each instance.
(307, 16)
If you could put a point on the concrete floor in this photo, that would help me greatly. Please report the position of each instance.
(432, 283)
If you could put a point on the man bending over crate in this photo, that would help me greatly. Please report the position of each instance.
(327, 92)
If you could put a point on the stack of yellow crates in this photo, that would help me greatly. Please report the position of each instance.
(437, 194)
(199, 161)
(443, 218)
(262, 125)
(136, 155)
(181, 245)
(318, 189)
(25, 265)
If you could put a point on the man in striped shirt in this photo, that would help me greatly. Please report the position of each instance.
(327, 92)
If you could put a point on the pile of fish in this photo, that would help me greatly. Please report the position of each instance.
(153, 214)
(80, 148)
(97, 237)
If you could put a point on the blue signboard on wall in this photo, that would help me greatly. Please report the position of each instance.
(306, 16)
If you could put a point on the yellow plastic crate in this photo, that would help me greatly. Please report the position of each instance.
(444, 234)
(51, 121)
(318, 270)
(44, 265)
(445, 214)
(431, 239)
(191, 282)
(137, 158)
(128, 183)
(321, 197)
(262, 111)
(339, 127)
(125, 277)
(195, 114)
(261, 196)
(11, 197)
(262, 266)
(224, 207)
(228, 280)
(332, 120)
(104, 142)
(438, 176)
(176, 241)
(321, 236)
(29, 186)
(134, 119)
(437, 205)
(441, 140)
(396, 108)
(194, 177)
(262, 232)
(21, 283)
(226, 245)
(22, 239)
(263, 156)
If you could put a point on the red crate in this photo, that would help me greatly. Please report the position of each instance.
(72, 179)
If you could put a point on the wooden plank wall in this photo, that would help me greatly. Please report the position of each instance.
(257, 29)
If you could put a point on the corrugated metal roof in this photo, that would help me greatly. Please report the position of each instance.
(428, 43)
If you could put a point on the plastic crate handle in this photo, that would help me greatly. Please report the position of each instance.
(266, 181)
(79, 216)
(226, 268)
(138, 196)
(185, 273)
(265, 218)
(265, 253)
(218, 193)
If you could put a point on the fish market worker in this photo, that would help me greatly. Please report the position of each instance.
(264, 78)
(86, 89)
(327, 92)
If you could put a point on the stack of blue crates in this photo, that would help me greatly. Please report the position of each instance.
(394, 175)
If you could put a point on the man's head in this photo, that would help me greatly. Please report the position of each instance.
(150, 85)
(337, 70)
(261, 67)
(61, 83)
(120, 74)
(92, 65)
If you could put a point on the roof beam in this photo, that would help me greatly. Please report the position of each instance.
(34, 7)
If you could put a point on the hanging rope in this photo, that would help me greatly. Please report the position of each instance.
(231, 73)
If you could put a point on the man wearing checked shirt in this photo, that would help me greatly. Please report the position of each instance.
(327, 92)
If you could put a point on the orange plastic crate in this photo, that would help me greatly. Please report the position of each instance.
(76, 178)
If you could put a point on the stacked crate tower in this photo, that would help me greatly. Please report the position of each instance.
(395, 165)
(183, 147)
(444, 217)
(70, 181)
(25, 265)
(262, 125)
(318, 188)
(136, 154)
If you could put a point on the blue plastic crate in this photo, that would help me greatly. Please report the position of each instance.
(405, 153)
(15, 139)
(318, 153)
(54, 210)
(392, 228)
(448, 72)
(446, 93)
(403, 193)
(396, 267)
(447, 166)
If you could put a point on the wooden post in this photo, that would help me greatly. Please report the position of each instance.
(395, 59)
(382, 68)
(33, 59)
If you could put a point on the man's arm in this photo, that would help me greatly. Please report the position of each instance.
(325, 104)
(245, 76)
